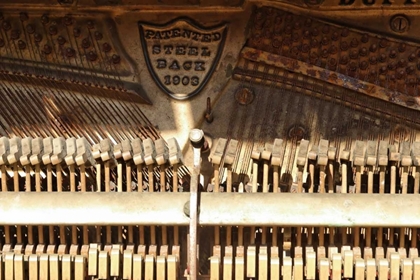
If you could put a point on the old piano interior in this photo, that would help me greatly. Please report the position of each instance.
(209, 139)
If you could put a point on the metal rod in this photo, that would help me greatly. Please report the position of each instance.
(339, 210)
(197, 140)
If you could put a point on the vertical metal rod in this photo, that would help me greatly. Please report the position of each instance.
(197, 140)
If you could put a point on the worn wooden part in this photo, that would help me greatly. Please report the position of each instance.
(394, 265)
(406, 269)
(370, 269)
(402, 252)
(19, 267)
(336, 261)
(379, 253)
(137, 267)
(215, 270)
(263, 263)
(251, 255)
(310, 264)
(160, 268)
(172, 267)
(227, 267)
(320, 252)
(54, 267)
(149, 271)
(103, 265)
(359, 269)
(9, 265)
(287, 268)
(274, 268)
(413, 253)
(324, 269)
(79, 267)
(44, 266)
(33, 269)
(66, 267)
(348, 264)
(416, 269)
(367, 253)
(93, 260)
(298, 268)
(115, 268)
(127, 272)
(383, 269)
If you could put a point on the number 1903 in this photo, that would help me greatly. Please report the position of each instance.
(186, 80)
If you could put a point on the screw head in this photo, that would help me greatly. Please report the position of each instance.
(399, 23)
(297, 132)
(244, 96)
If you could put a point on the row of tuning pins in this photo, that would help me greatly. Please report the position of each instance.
(27, 153)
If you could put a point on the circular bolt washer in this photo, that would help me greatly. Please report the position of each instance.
(70, 52)
(6, 25)
(38, 37)
(297, 132)
(90, 24)
(399, 23)
(85, 43)
(47, 49)
(53, 30)
(61, 40)
(98, 35)
(15, 34)
(30, 29)
(244, 96)
(21, 45)
(106, 47)
(92, 56)
(76, 32)
(116, 59)
(45, 19)
(68, 20)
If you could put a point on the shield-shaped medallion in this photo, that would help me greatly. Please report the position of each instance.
(182, 55)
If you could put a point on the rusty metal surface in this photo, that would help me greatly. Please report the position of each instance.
(379, 66)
